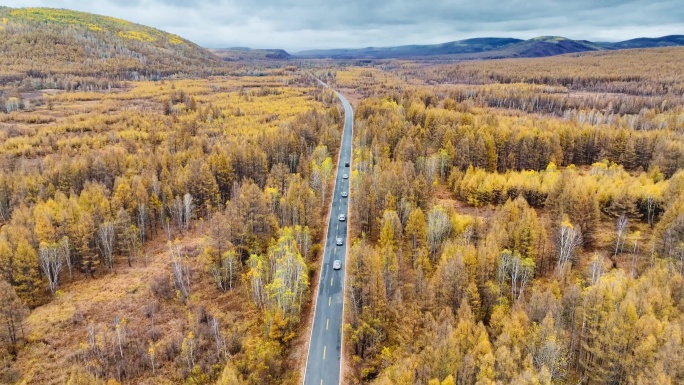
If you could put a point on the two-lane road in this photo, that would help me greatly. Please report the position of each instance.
(323, 363)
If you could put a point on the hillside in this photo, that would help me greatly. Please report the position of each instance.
(247, 54)
(644, 42)
(614, 72)
(493, 48)
(43, 43)
(542, 46)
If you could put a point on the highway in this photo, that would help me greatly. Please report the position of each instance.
(323, 363)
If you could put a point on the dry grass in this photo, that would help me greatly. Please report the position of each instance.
(56, 330)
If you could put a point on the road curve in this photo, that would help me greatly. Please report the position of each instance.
(323, 363)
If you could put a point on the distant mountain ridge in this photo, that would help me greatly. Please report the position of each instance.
(492, 48)
(455, 47)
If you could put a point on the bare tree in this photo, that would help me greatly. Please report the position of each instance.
(142, 221)
(438, 228)
(12, 315)
(188, 206)
(166, 225)
(568, 240)
(65, 249)
(635, 237)
(303, 239)
(226, 273)
(516, 269)
(219, 232)
(188, 350)
(177, 212)
(596, 268)
(220, 342)
(152, 353)
(132, 243)
(622, 222)
(650, 209)
(105, 234)
(51, 263)
(181, 271)
(121, 331)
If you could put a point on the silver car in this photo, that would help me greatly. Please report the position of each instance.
(339, 241)
(341, 217)
(344, 194)
(337, 264)
(345, 176)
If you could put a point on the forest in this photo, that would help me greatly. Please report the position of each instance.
(162, 212)
(162, 231)
(516, 230)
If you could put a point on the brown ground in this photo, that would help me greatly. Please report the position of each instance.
(55, 330)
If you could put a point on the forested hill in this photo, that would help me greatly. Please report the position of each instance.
(45, 44)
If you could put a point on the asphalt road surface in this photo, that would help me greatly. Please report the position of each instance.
(323, 363)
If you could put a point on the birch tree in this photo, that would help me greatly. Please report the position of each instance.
(438, 228)
(227, 271)
(105, 235)
(621, 234)
(188, 206)
(181, 271)
(279, 283)
(142, 219)
(596, 268)
(65, 249)
(177, 211)
(51, 263)
(568, 240)
(517, 270)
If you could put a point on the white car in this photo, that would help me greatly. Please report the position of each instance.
(344, 194)
(337, 264)
(341, 217)
(345, 176)
(339, 241)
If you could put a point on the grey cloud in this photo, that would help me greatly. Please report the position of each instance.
(304, 24)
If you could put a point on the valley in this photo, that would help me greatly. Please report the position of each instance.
(513, 210)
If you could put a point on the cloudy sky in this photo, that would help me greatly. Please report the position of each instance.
(304, 24)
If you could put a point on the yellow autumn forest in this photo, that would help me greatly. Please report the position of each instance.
(162, 215)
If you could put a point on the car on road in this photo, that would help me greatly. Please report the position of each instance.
(345, 176)
(346, 164)
(339, 241)
(337, 264)
(341, 217)
(344, 194)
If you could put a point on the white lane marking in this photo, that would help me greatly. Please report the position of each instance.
(329, 299)
(331, 281)
(324, 352)
(326, 324)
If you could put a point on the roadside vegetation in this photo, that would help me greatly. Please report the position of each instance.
(514, 228)
(163, 231)
(161, 212)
